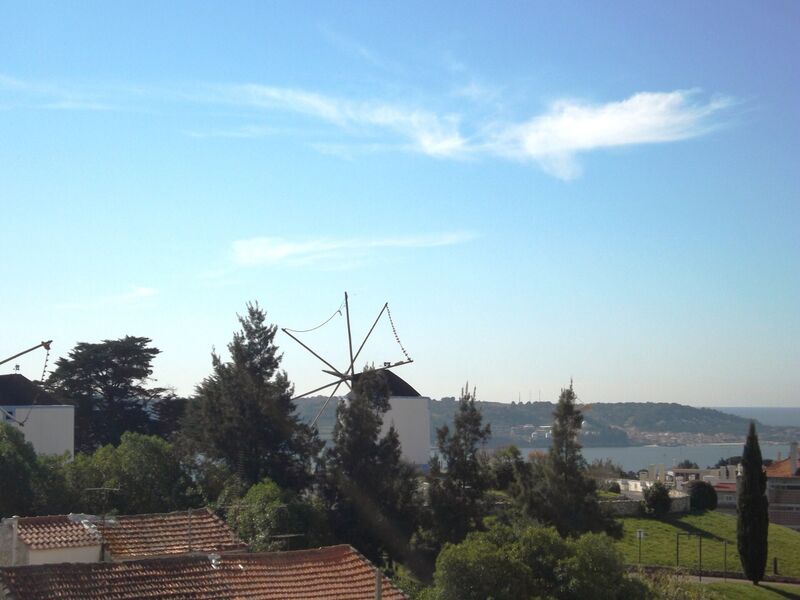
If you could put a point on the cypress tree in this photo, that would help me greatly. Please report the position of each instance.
(751, 508)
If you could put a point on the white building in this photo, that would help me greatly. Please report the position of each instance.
(410, 415)
(46, 423)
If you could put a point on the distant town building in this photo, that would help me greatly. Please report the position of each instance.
(783, 490)
(45, 420)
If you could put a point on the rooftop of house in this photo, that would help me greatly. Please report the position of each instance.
(784, 468)
(398, 386)
(59, 531)
(132, 536)
(332, 573)
(18, 390)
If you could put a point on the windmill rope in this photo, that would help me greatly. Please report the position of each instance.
(338, 311)
(394, 331)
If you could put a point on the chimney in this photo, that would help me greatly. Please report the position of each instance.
(378, 584)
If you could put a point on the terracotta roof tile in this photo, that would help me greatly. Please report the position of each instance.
(142, 536)
(783, 468)
(333, 573)
(61, 531)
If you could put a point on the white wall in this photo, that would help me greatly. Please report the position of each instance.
(411, 417)
(50, 428)
(85, 554)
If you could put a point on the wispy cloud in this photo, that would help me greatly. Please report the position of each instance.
(553, 139)
(569, 127)
(352, 47)
(135, 295)
(275, 250)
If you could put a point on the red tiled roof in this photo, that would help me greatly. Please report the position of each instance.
(41, 533)
(724, 486)
(333, 573)
(142, 536)
(782, 468)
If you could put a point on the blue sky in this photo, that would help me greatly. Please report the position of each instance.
(604, 192)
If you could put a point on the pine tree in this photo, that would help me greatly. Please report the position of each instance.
(243, 413)
(458, 479)
(370, 493)
(557, 491)
(752, 524)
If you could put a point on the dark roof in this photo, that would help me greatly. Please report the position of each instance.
(397, 386)
(333, 573)
(18, 390)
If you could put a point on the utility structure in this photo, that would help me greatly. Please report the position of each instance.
(347, 375)
(409, 411)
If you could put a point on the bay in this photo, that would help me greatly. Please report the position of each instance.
(633, 458)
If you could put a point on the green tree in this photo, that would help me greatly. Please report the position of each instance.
(107, 383)
(687, 464)
(17, 472)
(243, 413)
(657, 500)
(368, 490)
(702, 495)
(752, 522)
(557, 490)
(271, 519)
(534, 563)
(503, 466)
(145, 471)
(458, 478)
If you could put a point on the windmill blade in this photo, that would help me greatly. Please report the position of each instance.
(317, 390)
(351, 370)
(324, 406)
(286, 331)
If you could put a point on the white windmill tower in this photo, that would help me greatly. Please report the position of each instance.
(409, 412)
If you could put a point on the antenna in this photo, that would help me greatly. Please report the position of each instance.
(348, 375)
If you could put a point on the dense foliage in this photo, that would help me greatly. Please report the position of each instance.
(656, 499)
(535, 563)
(243, 414)
(458, 479)
(556, 489)
(702, 495)
(369, 492)
(751, 510)
(107, 383)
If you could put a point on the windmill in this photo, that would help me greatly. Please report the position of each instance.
(345, 376)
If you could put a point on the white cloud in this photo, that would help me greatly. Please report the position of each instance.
(275, 250)
(554, 138)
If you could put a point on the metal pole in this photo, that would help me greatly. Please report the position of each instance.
(45, 345)
(700, 557)
(724, 559)
(640, 548)
(349, 334)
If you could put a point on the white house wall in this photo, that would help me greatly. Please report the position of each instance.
(411, 417)
(85, 554)
(50, 428)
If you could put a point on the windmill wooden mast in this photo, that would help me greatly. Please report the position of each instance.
(345, 377)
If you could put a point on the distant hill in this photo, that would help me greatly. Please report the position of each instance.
(606, 424)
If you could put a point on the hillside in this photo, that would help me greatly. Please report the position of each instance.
(608, 424)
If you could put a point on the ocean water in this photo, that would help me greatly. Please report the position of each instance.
(783, 416)
(633, 458)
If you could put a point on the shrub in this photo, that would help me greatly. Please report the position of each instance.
(657, 500)
(702, 495)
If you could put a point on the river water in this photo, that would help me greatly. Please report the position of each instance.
(633, 458)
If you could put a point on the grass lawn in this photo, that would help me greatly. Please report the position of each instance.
(765, 591)
(658, 545)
